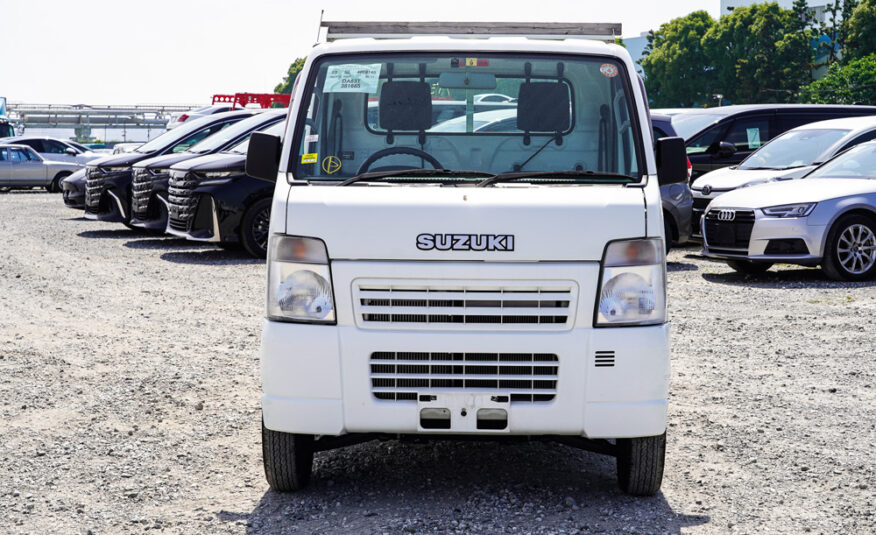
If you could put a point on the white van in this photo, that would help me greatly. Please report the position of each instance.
(508, 284)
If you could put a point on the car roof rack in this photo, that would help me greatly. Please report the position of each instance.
(601, 31)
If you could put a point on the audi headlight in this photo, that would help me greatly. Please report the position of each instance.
(632, 290)
(299, 280)
(212, 178)
(789, 210)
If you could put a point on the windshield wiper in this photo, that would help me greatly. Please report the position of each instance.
(377, 175)
(507, 177)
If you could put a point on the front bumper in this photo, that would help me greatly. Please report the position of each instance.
(73, 197)
(106, 197)
(202, 225)
(774, 228)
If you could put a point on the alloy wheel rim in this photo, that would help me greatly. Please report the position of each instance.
(856, 249)
(260, 227)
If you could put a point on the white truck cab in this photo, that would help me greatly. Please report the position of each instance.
(507, 282)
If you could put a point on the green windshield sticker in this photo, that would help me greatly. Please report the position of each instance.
(753, 137)
(352, 78)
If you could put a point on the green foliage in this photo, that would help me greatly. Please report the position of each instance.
(677, 70)
(836, 28)
(861, 30)
(288, 82)
(853, 83)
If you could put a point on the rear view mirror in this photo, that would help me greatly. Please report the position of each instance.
(671, 161)
(467, 80)
(263, 156)
(724, 150)
(71, 151)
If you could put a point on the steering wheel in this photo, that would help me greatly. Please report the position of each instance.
(391, 151)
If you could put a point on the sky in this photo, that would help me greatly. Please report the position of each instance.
(184, 51)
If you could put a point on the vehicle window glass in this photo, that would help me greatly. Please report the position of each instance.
(35, 144)
(789, 119)
(225, 135)
(54, 147)
(858, 162)
(863, 138)
(195, 139)
(276, 129)
(560, 113)
(6, 130)
(687, 125)
(705, 140)
(658, 133)
(792, 149)
(27, 155)
(79, 146)
(15, 155)
(171, 137)
(4, 154)
(748, 134)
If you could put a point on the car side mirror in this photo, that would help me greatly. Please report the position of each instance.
(671, 161)
(71, 151)
(724, 150)
(263, 156)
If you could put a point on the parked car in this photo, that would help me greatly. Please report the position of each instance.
(22, 167)
(6, 128)
(790, 155)
(676, 199)
(212, 199)
(149, 197)
(59, 150)
(492, 97)
(73, 190)
(827, 218)
(724, 136)
(108, 188)
(177, 119)
(501, 120)
(121, 148)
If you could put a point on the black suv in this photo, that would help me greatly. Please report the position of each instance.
(149, 198)
(212, 199)
(108, 180)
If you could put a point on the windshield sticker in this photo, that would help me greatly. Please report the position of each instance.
(352, 78)
(469, 62)
(608, 70)
(312, 138)
(310, 158)
(753, 137)
(331, 164)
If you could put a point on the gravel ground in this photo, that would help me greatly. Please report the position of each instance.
(130, 402)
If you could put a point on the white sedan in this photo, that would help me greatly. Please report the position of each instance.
(22, 167)
(827, 218)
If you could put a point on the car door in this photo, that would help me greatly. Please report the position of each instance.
(5, 167)
(55, 151)
(746, 134)
(29, 167)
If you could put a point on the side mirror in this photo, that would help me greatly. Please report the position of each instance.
(671, 161)
(263, 156)
(724, 150)
(71, 151)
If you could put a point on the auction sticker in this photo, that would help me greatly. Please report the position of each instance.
(608, 70)
(352, 78)
(310, 158)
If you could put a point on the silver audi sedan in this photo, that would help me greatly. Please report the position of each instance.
(22, 167)
(827, 218)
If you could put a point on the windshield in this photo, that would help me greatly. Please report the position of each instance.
(172, 137)
(793, 149)
(276, 129)
(858, 162)
(390, 112)
(690, 123)
(233, 132)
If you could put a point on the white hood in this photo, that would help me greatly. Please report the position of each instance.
(729, 178)
(794, 191)
(548, 223)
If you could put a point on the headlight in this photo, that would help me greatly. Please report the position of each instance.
(299, 280)
(789, 210)
(632, 290)
(212, 178)
(116, 169)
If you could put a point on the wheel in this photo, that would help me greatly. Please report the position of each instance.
(850, 252)
(55, 186)
(748, 267)
(288, 459)
(667, 232)
(254, 228)
(391, 151)
(640, 464)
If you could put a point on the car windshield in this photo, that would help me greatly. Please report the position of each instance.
(6, 130)
(793, 149)
(222, 137)
(688, 124)
(392, 112)
(275, 129)
(857, 162)
(172, 137)
(79, 146)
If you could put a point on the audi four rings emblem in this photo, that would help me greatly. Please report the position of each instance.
(726, 215)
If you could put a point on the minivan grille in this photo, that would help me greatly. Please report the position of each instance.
(94, 181)
(733, 235)
(182, 201)
(524, 377)
(142, 186)
(540, 306)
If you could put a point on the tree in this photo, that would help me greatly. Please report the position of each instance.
(861, 31)
(760, 54)
(853, 83)
(288, 82)
(677, 70)
(836, 30)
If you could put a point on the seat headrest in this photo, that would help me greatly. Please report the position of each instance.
(543, 107)
(405, 106)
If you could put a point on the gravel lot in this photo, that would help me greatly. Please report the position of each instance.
(130, 402)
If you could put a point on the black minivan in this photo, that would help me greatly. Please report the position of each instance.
(724, 136)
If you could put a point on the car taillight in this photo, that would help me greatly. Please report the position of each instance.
(183, 117)
(689, 169)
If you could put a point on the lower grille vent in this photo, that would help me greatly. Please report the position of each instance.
(604, 359)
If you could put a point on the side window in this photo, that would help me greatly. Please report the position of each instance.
(4, 155)
(790, 119)
(16, 156)
(868, 136)
(702, 143)
(749, 134)
(658, 133)
(54, 147)
(199, 136)
(35, 144)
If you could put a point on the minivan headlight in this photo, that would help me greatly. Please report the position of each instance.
(299, 280)
(632, 289)
(789, 210)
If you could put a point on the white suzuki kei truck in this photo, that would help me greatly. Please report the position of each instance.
(503, 278)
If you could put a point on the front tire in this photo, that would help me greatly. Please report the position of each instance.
(640, 464)
(254, 228)
(748, 267)
(850, 253)
(55, 186)
(288, 459)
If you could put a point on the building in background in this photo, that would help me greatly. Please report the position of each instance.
(819, 7)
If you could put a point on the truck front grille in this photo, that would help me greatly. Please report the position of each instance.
(524, 377)
(548, 305)
(182, 201)
(729, 235)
